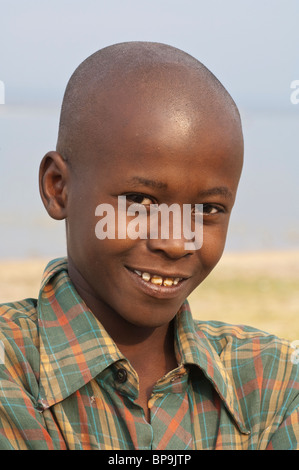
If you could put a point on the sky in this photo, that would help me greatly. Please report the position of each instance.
(252, 46)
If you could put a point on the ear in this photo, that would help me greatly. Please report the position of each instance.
(53, 177)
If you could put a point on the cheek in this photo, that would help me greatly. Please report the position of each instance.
(102, 256)
(212, 248)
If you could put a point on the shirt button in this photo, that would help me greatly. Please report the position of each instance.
(121, 376)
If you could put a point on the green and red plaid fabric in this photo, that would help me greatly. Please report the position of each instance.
(65, 385)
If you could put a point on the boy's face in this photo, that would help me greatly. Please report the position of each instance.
(157, 154)
(153, 152)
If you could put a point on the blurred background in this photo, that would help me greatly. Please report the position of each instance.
(252, 46)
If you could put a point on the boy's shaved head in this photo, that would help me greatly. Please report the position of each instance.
(145, 73)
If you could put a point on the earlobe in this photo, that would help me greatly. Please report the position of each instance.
(53, 175)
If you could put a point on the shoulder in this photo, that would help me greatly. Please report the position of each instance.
(19, 339)
(264, 373)
(245, 342)
(18, 316)
(227, 336)
(252, 355)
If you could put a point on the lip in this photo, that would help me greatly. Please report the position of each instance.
(153, 290)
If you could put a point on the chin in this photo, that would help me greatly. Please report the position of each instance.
(152, 318)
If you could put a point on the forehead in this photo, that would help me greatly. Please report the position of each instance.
(161, 122)
(178, 164)
(158, 105)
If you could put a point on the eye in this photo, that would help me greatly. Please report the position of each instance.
(139, 198)
(209, 209)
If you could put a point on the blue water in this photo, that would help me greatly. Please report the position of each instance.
(266, 214)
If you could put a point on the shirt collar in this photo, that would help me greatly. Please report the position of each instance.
(194, 348)
(75, 348)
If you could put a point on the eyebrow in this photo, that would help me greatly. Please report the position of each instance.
(146, 182)
(217, 191)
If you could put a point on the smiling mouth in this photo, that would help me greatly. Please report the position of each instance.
(158, 279)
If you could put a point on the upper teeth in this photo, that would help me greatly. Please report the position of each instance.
(158, 280)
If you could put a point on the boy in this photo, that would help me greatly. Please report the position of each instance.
(108, 356)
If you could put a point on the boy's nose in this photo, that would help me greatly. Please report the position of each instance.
(172, 248)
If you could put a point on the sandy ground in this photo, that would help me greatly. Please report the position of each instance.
(258, 289)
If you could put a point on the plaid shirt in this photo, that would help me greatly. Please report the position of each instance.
(64, 384)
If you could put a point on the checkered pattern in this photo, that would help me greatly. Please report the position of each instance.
(60, 386)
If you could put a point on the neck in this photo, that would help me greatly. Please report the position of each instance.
(155, 347)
